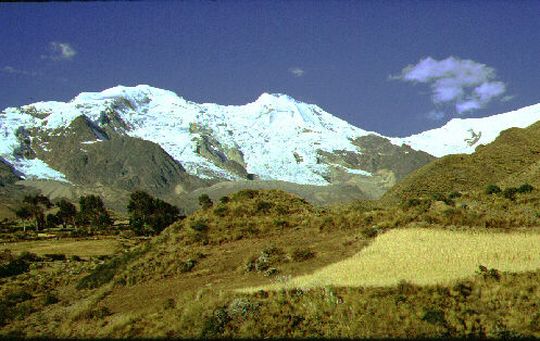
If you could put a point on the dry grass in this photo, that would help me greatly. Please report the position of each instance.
(81, 248)
(425, 256)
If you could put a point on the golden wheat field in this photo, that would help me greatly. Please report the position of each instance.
(424, 256)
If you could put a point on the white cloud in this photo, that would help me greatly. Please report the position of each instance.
(14, 71)
(60, 51)
(296, 71)
(463, 83)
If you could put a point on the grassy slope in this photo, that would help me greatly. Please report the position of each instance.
(425, 256)
(513, 152)
(150, 292)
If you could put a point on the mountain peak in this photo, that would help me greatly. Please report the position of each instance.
(276, 99)
(137, 92)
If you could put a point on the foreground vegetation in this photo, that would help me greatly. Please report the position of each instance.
(189, 280)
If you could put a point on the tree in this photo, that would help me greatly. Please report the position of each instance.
(52, 221)
(149, 215)
(66, 213)
(37, 204)
(205, 202)
(24, 214)
(93, 212)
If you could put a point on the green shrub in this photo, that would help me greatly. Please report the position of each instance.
(434, 316)
(493, 189)
(454, 195)
(510, 193)
(264, 206)
(371, 232)
(525, 188)
(199, 225)
(205, 202)
(224, 200)
(302, 254)
(188, 265)
(489, 273)
(220, 210)
(96, 313)
(267, 259)
(50, 298)
(105, 272)
(16, 266)
(215, 324)
(170, 303)
(55, 256)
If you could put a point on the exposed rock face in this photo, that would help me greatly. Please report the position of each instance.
(379, 157)
(90, 156)
(8, 176)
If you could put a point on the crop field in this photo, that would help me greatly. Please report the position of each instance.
(425, 256)
(81, 248)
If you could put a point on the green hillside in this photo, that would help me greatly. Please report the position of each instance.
(512, 158)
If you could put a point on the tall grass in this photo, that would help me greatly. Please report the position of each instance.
(425, 256)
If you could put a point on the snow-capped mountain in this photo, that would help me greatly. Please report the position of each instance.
(273, 138)
(463, 135)
(128, 134)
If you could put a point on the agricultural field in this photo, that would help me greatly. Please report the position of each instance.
(425, 257)
(69, 247)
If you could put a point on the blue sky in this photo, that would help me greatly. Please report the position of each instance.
(395, 67)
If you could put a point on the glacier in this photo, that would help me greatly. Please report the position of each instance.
(277, 136)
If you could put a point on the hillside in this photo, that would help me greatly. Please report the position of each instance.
(196, 278)
(511, 159)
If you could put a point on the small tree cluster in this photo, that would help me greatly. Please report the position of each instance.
(93, 212)
(148, 215)
(34, 207)
(510, 192)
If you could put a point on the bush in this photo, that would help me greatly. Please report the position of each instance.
(371, 232)
(105, 272)
(525, 188)
(265, 261)
(17, 266)
(454, 195)
(220, 210)
(205, 202)
(55, 256)
(215, 324)
(264, 206)
(489, 273)
(199, 225)
(510, 193)
(188, 265)
(300, 255)
(493, 189)
(434, 316)
(50, 298)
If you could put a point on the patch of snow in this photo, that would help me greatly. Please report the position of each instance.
(464, 135)
(37, 169)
